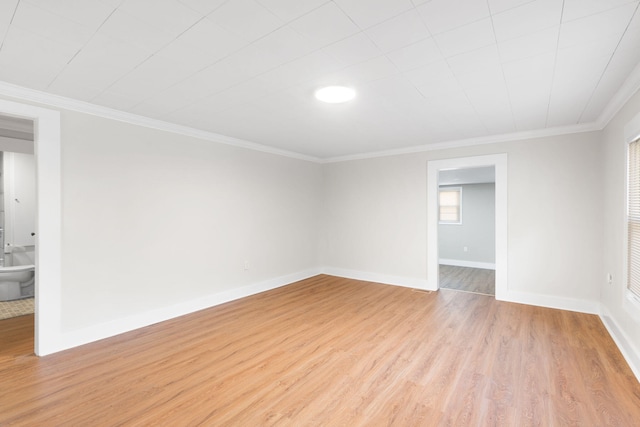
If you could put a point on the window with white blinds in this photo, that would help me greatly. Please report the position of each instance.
(633, 220)
(450, 205)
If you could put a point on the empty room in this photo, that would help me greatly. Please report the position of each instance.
(320, 212)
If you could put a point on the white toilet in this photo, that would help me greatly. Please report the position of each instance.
(17, 281)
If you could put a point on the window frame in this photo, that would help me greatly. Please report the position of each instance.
(632, 299)
(458, 189)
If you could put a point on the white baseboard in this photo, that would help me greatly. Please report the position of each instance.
(108, 329)
(407, 282)
(472, 264)
(629, 352)
(550, 301)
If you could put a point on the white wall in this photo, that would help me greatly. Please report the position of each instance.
(623, 321)
(376, 216)
(477, 232)
(152, 219)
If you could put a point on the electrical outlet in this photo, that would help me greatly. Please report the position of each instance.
(246, 266)
(609, 278)
(465, 249)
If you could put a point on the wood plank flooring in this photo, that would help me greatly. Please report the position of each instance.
(478, 280)
(332, 352)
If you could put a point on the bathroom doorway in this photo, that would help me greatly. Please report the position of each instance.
(47, 331)
(17, 235)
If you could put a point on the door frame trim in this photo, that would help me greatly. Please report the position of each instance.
(499, 162)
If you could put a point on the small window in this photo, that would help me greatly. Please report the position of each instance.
(633, 221)
(450, 205)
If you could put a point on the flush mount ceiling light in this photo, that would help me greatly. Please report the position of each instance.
(335, 94)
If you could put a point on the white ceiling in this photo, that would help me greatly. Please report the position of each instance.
(426, 71)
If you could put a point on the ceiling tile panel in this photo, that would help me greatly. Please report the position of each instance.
(418, 54)
(246, 18)
(45, 60)
(111, 53)
(116, 101)
(497, 6)
(609, 24)
(303, 69)
(288, 10)
(324, 25)
(367, 13)
(529, 45)
(284, 45)
(432, 73)
(403, 30)
(51, 26)
(354, 49)
(446, 15)
(7, 9)
(373, 69)
(209, 36)
(576, 9)
(169, 16)
(204, 7)
(529, 18)
(466, 38)
(126, 28)
(154, 75)
(88, 13)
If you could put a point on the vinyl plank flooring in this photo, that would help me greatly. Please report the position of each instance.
(477, 280)
(330, 351)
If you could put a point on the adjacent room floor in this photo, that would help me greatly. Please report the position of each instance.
(477, 280)
(331, 351)
(15, 308)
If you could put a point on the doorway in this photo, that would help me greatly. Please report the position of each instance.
(17, 217)
(48, 336)
(499, 164)
(466, 230)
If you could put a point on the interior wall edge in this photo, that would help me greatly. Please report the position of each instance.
(75, 338)
(386, 279)
(553, 301)
(624, 344)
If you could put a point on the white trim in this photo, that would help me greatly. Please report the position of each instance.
(630, 86)
(48, 286)
(624, 344)
(32, 95)
(627, 90)
(110, 113)
(129, 323)
(499, 161)
(469, 142)
(471, 264)
(407, 282)
(552, 301)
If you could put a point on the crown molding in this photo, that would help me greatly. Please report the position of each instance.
(468, 142)
(629, 88)
(626, 91)
(58, 101)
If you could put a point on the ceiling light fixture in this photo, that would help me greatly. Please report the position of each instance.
(335, 94)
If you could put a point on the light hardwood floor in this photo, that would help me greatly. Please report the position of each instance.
(333, 352)
(478, 280)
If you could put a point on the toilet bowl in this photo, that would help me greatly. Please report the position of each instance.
(14, 279)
